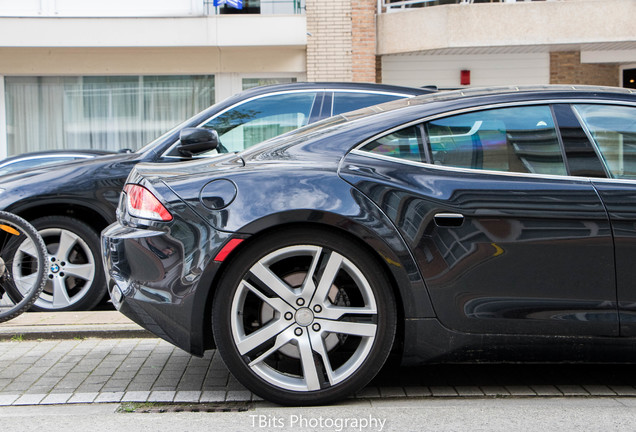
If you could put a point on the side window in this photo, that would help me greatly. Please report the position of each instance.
(261, 119)
(403, 144)
(613, 129)
(351, 101)
(517, 139)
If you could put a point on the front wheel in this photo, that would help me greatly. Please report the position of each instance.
(304, 317)
(75, 280)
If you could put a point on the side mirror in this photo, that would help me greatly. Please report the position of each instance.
(197, 140)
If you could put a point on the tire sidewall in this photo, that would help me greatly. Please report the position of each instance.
(361, 258)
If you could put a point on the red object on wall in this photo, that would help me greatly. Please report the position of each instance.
(464, 77)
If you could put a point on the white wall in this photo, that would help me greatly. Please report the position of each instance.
(101, 8)
(3, 121)
(486, 69)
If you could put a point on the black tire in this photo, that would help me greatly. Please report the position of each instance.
(22, 270)
(83, 291)
(327, 357)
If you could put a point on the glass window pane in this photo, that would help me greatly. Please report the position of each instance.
(518, 139)
(349, 101)
(403, 144)
(110, 113)
(613, 129)
(261, 119)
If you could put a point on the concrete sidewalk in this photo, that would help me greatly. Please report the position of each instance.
(70, 325)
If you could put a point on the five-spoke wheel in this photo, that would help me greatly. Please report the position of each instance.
(304, 317)
(75, 279)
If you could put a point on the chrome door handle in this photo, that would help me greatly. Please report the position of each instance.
(449, 219)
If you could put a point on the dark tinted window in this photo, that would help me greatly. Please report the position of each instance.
(403, 144)
(518, 139)
(613, 129)
(350, 101)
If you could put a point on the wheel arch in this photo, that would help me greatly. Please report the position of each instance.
(410, 294)
(96, 219)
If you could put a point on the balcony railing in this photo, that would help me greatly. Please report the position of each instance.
(392, 6)
(142, 8)
(263, 7)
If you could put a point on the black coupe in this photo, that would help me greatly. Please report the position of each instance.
(494, 224)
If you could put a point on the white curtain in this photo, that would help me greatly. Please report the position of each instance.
(109, 113)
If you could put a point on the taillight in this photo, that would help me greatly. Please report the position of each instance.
(143, 204)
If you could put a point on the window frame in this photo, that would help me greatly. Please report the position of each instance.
(590, 137)
(166, 153)
(357, 149)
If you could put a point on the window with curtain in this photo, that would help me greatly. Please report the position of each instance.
(108, 113)
(249, 83)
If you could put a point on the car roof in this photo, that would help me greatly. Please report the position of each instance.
(376, 118)
(328, 86)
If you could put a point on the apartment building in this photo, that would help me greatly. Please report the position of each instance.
(115, 74)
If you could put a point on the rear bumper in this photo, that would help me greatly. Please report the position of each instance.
(163, 278)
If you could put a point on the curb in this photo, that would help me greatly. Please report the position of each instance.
(73, 332)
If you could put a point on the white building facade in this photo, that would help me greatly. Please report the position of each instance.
(115, 74)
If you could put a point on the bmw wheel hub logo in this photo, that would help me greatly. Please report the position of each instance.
(55, 268)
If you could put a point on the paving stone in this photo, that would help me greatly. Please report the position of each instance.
(29, 399)
(546, 390)
(368, 392)
(161, 396)
(56, 398)
(572, 390)
(469, 391)
(599, 390)
(624, 390)
(8, 399)
(213, 396)
(495, 391)
(238, 395)
(187, 396)
(520, 391)
(417, 391)
(445, 391)
(391, 392)
(83, 397)
(109, 397)
(135, 396)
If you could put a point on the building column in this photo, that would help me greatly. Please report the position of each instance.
(363, 30)
(341, 40)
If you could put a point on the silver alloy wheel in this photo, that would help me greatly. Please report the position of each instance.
(304, 319)
(71, 269)
(24, 275)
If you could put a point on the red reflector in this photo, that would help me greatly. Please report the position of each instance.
(227, 249)
(143, 204)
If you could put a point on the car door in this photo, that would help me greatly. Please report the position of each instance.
(612, 129)
(506, 241)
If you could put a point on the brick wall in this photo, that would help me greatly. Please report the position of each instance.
(329, 52)
(364, 34)
(566, 68)
(341, 43)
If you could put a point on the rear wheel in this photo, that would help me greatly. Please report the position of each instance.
(304, 317)
(75, 280)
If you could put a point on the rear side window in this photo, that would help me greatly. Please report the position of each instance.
(517, 139)
(613, 129)
(351, 101)
(404, 144)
